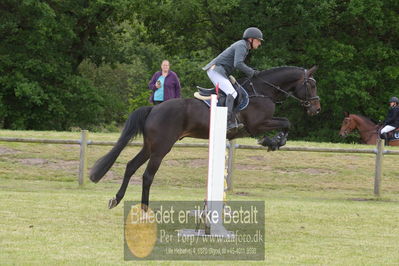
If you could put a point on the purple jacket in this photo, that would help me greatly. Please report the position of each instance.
(171, 86)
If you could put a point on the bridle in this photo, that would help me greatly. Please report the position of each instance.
(306, 103)
(348, 129)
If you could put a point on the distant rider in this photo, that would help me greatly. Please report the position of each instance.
(225, 63)
(392, 120)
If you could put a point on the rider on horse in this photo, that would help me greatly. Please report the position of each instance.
(225, 63)
(392, 120)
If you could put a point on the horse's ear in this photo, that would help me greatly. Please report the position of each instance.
(346, 114)
(312, 70)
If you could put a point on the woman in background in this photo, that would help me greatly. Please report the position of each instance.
(164, 84)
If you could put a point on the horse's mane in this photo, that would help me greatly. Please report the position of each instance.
(273, 73)
(368, 120)
(280, 68)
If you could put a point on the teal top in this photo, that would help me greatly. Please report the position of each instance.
(158, 95)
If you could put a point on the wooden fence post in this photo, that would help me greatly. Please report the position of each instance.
(230, 164)
(378, 167)
(83, 157)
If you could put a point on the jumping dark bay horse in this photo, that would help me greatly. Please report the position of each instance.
(367, 129)
(162, 125)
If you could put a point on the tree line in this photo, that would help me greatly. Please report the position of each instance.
(86, 63)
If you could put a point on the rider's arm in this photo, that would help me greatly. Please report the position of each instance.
(390, 117)
(395, 118)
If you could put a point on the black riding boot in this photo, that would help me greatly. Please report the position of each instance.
(232, 122)
(384, 136)
(386, 139)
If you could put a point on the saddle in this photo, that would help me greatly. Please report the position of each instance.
(240, 103)
(393, 135)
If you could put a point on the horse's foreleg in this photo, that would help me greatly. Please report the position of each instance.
(281, 138)
(131, 168)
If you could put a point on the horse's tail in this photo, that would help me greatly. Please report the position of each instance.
(133, 127)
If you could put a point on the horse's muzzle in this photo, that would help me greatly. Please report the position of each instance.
(312, 108)
(312, 105)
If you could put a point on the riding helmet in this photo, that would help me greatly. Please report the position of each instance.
(253, 33)
(394, 100)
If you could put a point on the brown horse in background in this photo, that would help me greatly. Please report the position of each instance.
(367, 129)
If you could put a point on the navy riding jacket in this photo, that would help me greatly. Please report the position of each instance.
(392, 118)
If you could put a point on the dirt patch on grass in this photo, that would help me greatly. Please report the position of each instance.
(201, 163)
(114, 177)
(257, 158)
(33, 161)
(318, 171)
(308, 171)
(241, 193)
(172, 163)
(4, 150)
(192, 163)
(371, 199)
(252, 167)
(68, 166)
(361, 199)
(198, 163)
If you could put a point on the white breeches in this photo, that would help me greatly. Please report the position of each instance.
(387, 129)
(224, 84)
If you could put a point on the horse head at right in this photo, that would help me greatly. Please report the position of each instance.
(347, 126)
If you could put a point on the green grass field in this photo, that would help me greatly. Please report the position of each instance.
(320, 207)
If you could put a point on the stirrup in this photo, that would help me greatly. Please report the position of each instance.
(235, 126)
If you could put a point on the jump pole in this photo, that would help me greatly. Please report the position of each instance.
(214, 203)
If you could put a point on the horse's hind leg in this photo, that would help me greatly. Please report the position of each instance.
(159, 151)
(131, 168)
(148, 177)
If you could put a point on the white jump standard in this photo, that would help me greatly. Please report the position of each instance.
(214, 206)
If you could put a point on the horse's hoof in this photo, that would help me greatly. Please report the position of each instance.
(272, 148)
(282, 142)
(112, 203)
(265, 141)
(271, 144)
(282, 139)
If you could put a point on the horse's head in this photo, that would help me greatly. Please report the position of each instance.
(306, 92)
(289, 81)
(348, 125)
